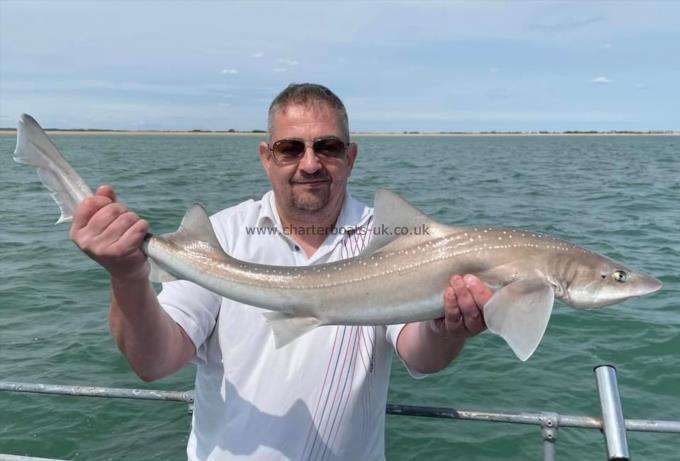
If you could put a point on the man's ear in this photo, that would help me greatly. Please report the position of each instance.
(352, 152)
(265, 157)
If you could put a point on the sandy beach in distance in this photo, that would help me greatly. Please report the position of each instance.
(10, 132)
(6, 132)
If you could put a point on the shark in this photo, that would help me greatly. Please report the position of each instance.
(396, 279)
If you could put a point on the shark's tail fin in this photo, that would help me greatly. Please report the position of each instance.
(35, 148)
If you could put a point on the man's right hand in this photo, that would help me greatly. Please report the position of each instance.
(111, 235)
(153, 344)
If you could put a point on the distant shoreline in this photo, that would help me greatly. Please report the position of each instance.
(198, 133)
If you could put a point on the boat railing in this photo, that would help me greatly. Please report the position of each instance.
(611, 422)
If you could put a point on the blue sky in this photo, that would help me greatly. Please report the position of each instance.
(427, 66)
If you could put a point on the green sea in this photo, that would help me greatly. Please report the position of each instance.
(618, 195)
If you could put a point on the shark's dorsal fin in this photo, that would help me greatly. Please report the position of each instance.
(195, 227)
(195, 231)
(394, 219)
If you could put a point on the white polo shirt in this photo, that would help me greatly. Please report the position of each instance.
(322, 397)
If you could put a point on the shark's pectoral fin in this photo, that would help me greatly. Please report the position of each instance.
(287, 328)
(519, 313)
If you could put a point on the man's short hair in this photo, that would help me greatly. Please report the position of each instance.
(309, 95)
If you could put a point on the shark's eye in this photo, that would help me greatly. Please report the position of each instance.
(620, 276)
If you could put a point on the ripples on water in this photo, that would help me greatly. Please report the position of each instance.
(616, 195)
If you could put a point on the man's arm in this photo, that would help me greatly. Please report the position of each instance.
(153, 344)
(430, 346)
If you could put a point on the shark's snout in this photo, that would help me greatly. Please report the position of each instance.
(650, 285)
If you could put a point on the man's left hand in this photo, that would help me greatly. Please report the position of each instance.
(429, 346)
(464, 300)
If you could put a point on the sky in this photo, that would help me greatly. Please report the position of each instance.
(398, 66)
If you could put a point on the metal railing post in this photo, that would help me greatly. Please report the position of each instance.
(613, 424)
(549, 427)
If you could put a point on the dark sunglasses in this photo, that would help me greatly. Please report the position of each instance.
(287, 151)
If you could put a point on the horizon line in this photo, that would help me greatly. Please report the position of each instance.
(5, 130)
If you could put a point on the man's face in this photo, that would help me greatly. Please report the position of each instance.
(314, 184)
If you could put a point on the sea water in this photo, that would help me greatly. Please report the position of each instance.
(618, 195)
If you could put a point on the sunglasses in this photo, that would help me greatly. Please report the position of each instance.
(288, 151)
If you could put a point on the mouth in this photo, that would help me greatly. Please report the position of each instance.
(311, 183)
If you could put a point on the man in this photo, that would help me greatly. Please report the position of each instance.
(323, 396)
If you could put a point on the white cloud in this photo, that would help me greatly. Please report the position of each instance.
(287, 62)
(229, 71)
(640, 85)
(607, 46)
(494, 70)
(279, 69)
(258, 55)
(601, 80)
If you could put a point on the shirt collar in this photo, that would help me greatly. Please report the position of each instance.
(268, 216)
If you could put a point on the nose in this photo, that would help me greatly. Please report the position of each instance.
(309, 163)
